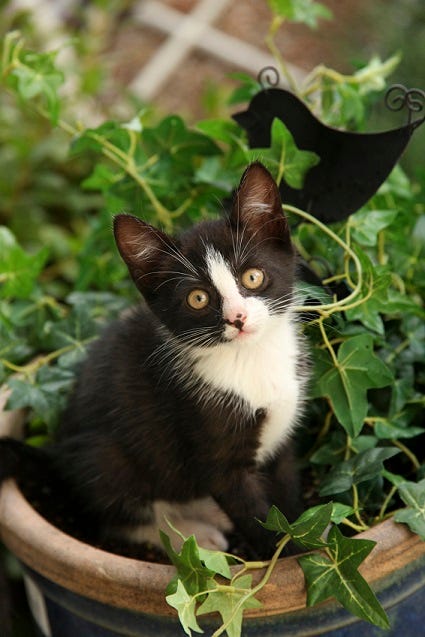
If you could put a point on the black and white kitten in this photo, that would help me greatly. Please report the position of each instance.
(184, 408)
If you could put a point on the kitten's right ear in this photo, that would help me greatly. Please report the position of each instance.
(141, 246)
(257, 206)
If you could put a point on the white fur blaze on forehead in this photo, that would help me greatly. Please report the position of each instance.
(221, 274)
(225, 283)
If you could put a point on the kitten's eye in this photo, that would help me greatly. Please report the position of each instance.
(252, 278)
(198, 299)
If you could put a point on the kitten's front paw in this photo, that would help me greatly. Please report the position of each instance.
(207, 536)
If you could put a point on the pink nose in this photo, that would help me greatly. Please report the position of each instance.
(238, 320)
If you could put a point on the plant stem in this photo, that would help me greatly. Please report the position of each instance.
(386, 502)
(415, 462)
(277, 22)
(126, 162)
(357, 527)
(32, 368)
(258, 587)
(349, 302)
(361, 522)
(327, 342)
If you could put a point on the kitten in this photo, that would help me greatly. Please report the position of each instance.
(184, 409)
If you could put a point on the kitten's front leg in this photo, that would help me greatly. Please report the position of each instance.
(242, 496)
(285, 483)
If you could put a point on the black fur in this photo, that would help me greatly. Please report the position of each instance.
(132, 432)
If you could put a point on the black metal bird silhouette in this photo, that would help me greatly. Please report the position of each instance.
(352, 165)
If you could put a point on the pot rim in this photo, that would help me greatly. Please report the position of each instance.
(140, 586)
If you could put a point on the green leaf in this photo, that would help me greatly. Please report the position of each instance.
(340, 512)
(304, 11)
(216, 561)
(283, 158)
(352, 108)
(93, 139)
(175, 140)
(346, 384)
(367, 224)
(73, 331)
(246, 91)
(221, 130)
(185, 605)
(36, 75)
(190, 568)
(372, 76)
(335, 574)
(390, 429)
(370, 311)
(394, 478)
(18, 270)
(413, 495)
(307, 530)
(25, 394)
(230, 602)
(360, 468)
(46, 395)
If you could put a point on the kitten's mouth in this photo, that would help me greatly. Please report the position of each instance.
(233, 332)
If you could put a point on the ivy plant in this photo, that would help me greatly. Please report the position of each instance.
(57, 287)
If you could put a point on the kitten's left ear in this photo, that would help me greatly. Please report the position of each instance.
(257, 205)
(141, 247)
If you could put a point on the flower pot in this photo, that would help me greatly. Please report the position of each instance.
(76, 589)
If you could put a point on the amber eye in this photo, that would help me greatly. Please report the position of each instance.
(252, 278)
(198, 299)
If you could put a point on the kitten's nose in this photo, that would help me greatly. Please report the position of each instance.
(237, 320)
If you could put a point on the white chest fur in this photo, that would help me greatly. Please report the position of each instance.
(260, 370)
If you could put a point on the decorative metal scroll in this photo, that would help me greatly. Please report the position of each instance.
(352, 165)
(268, 77)
(398, 97)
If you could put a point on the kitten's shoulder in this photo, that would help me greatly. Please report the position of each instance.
(122, 346)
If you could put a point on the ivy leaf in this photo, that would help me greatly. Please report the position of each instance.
(335, 574)
(191, 570)
(221, 130)
(246, 91)
(92, 139)
(175, 140)
(340, 512)
(345, 384)
(307, 530)
(390, 429)
(185, 605)
(304, 11)
(367, 224)
(283, 158)
(74, 330)
(25, 394)
(394, 478)
(376, 300)
(231, 603)
(36, 75)
(216, 561)
(362, 467)
(372, 76)
(46, 395)
(413, 495)
(18, 270)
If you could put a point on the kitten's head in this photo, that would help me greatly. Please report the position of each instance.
(221, 281)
